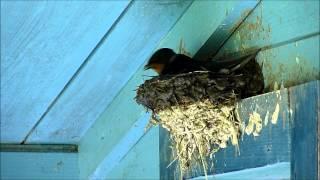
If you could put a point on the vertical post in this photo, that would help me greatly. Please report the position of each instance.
(168, 168)
(304, 104)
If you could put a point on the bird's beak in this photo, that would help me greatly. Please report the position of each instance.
(146, 67)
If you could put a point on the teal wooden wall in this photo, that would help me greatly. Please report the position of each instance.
(24, 165)
(43, 46)
(288, 34)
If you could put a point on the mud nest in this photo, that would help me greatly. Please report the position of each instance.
(198, 110)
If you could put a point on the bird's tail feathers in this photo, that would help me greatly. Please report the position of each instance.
(232, 63)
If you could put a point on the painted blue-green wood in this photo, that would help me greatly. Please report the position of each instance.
(273, 143)
(43, 43)
(274, 22)
(123, 147)
(130, 43)
(142, 162)
(23, 165)
(110, 127)
(115, 122)
(291, 64)
(222, 33)
(197, 24)
(55, 148)
(271, 146)
(294, 138)
(271, 172)
(305, 105)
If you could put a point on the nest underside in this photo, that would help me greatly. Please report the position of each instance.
(199, 130)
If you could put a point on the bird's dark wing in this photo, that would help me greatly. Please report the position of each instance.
(232, 64)
(182, 64)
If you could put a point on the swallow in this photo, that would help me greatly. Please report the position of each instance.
(166, 62)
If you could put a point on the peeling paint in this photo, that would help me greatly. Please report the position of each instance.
(275, 86)
(297, 60)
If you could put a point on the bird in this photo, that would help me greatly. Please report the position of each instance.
(166, 62)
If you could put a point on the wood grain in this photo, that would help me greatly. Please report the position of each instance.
(305, 117)
(43, 43)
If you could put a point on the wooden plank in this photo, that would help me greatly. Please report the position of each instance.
(110, 127)
(43, 43)
(305, 105)
(274, 171)
(122, 149)
(142, 162)
(129, 44)
(271, 146)
(22, 165)
(291, 64)
(203, 19)
(273, 23)
(62, 148)
(114, 121)
(168, 167)
(223, 32)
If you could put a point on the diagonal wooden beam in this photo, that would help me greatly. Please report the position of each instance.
(45, 148)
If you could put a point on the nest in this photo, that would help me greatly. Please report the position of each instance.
(198, 111)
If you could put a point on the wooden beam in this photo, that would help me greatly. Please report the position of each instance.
(33, 165)
(269, 25)
(274, 171)
(57, 148)
(225, 30)
(305, 105)
(119, 152)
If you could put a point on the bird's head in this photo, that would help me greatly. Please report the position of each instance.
(160, 59)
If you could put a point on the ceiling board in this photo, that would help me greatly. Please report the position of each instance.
(130, 43)
(43, 43)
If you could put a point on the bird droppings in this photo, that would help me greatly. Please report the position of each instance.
(297, 60)
(206, 129)
(266, 119)
(275, 86)
(286, 72)
(278, 94)
(290, 111)
(275, 115)
(254, 124)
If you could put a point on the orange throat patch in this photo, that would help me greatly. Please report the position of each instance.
(157, 67)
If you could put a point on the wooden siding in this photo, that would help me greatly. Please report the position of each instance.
(305, 105)
(273, 23)
(288, 34)
(43, 43)
(24, 165)
(128, 45)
